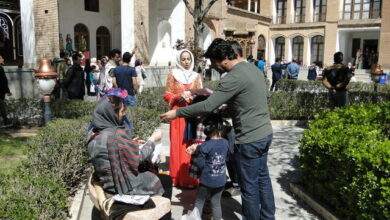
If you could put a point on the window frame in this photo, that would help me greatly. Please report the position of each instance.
(300, 48)
(92, 5)
(353, 14)
(283, 18)
(318, 55)
(322, 8)
(280, 47)
(300, 17)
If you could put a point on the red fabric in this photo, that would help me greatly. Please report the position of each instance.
(179, 160)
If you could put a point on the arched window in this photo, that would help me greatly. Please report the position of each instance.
(103, 42)
(297, 49)
(261, 47)
(6, 37)
(281, 11)
(317, 50)
(80, 32)
(319, 10)
(279, 48)
(362, 9)
(300, 7)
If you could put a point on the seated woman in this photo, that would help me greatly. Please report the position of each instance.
(116, 157)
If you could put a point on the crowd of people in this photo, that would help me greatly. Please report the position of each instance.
(212, 133)
(78, 76)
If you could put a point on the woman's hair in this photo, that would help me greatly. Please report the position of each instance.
(116, 103)
(188, 54)
(214, 124)
(137, 63)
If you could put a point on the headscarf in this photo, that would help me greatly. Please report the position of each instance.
(104, 115)
(181, 74)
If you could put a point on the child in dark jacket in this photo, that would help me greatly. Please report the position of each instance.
(212, 161)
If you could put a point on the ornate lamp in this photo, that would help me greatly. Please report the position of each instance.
(46, 77)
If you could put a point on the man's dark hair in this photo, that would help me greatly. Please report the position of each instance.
(62, 54)
(126, 57)
(114, 52)
(294, 60)
(338, 57)
(277, 60)
(236, 47)
(75, 56)
(220, 50)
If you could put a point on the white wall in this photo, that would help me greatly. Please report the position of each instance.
(345, 40)
(172, 11)
(72, 12)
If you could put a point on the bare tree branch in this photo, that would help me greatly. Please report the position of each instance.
(188, 6)
(206, 9)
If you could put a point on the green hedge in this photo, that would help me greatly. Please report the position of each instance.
(55, 165)
(25, 111)
(289, 85)
(345, 160)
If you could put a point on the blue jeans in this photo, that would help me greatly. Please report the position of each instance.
(255, 183)
(133, 101)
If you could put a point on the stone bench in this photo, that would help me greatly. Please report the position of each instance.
(163, 205)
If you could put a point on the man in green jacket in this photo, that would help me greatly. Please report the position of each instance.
(243, 89)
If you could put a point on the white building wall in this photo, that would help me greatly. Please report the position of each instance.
(161, 13)
(72, 12)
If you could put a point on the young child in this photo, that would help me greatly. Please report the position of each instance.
(212, 162)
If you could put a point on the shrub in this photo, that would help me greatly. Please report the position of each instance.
(152, 98)
(25, 111)
(67, 108)
(55, 165)
(345, 160)
(315, 86)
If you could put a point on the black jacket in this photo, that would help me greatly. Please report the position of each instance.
(3, 83)
(74, 82)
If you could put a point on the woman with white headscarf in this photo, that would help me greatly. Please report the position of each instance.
(177, 94)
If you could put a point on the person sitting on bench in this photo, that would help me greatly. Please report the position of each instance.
(119, 160)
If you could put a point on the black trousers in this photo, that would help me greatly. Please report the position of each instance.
(166, 182)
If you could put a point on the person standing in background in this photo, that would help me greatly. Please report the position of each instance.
(141, 75)
(4, 91)
(125, 77)
(74, 82)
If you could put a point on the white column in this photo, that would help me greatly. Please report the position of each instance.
(127, 25)
(177, 21)
(249, 5)
(28, 32)
(256, 2)
(308, 50)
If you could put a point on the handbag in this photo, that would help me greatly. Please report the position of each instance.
(92, 88)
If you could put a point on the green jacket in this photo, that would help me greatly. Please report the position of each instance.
(244, 90)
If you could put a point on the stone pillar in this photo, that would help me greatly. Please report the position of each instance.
(331, 33)
(266, 8)
(127, 25)
(288, 49)
(384, 41)
(28, 33)
(306, 51)
(46, 28)
(249, 5)
(309, 11)
(141, 21)
(290, 12)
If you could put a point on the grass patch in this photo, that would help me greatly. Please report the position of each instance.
(12, 151)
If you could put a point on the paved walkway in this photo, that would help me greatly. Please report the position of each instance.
(283, 170)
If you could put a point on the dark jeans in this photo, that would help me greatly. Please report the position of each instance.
(3, 112)
(166, 182)
(255, 183)
(214, 194)
(339, 99)
(274, 87)
(231, 163)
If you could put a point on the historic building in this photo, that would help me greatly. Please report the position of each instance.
(307, 30)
